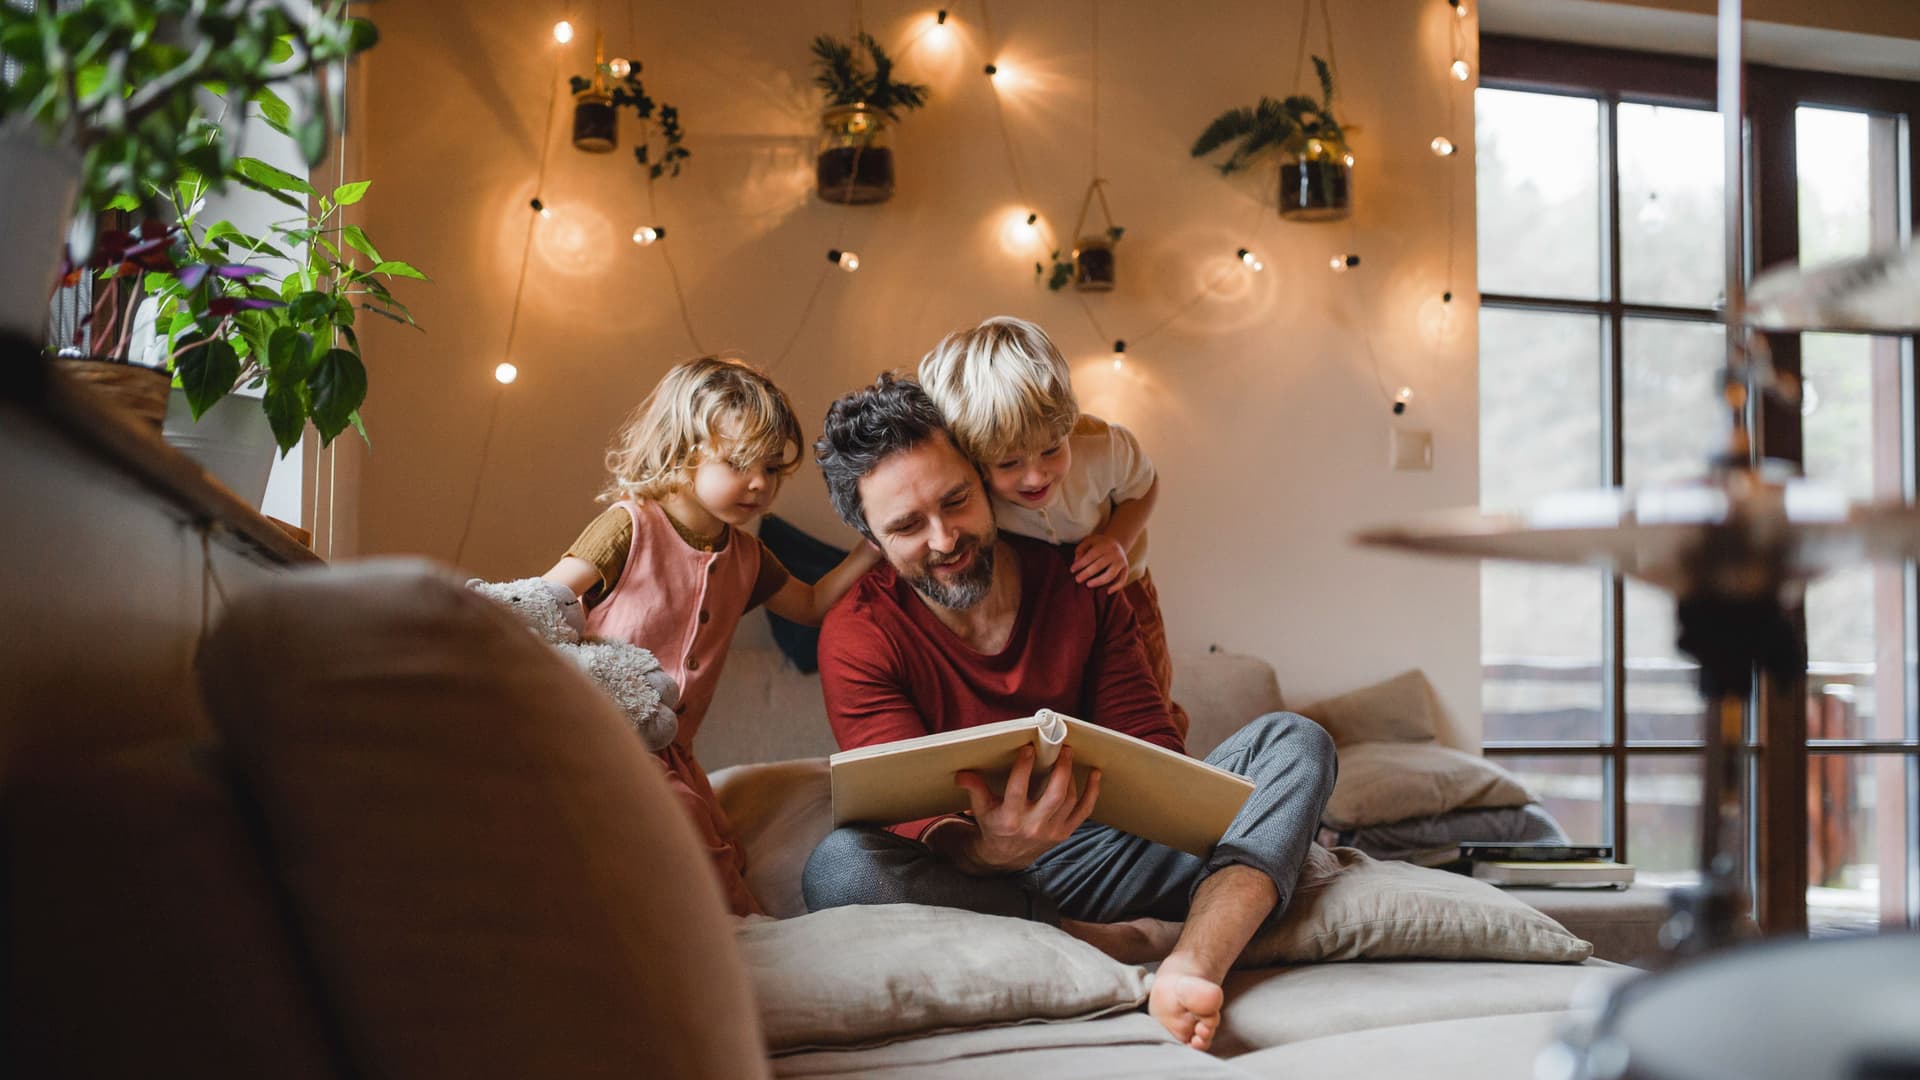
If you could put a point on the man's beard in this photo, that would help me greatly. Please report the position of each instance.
(971, 585)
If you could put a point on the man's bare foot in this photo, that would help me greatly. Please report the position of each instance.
(1136, 941)
(1186, 1003)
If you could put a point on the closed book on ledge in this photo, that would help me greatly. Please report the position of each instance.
(1146, 790)
(1580, 872)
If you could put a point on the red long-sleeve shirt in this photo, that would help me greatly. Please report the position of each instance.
(891, 670)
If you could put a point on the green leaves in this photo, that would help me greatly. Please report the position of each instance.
(207, 372)
(398, 269)
(356, 238)
(271, 178)
(337, 386)
(348, 194)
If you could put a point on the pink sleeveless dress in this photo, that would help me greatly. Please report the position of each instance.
(683, 605)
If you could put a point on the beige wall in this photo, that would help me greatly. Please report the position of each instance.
(1260, 405)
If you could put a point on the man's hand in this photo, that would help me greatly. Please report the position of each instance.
(1015, 829)
(1100, 560)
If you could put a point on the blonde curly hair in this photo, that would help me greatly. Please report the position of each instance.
(713, 405)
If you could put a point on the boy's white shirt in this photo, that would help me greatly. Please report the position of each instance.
(1108, 467)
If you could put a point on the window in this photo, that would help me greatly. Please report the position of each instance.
(1602, 271)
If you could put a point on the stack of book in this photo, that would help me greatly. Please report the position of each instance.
(1583, 865)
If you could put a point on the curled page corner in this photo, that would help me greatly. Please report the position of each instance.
(1049, 733)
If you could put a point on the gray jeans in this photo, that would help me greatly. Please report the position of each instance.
(1100, 874)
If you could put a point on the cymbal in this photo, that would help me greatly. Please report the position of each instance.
(1875, 293)
(1738, 539)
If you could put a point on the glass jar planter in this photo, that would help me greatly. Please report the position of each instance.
(1093, 264)
(855, 164)
(1316, 184)
(596, 127)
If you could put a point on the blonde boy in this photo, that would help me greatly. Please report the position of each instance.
(1055, 473)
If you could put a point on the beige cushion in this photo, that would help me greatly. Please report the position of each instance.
(486, 865)
(1401, 709)
(865, 975)
(1281, 1006)
(1382, 782)
(780, 813)
(1473, 1048)
(1350, 907)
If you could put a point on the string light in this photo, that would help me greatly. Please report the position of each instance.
(1459, 8)
(845, 260)
(1119, 354)
(1339, 263)
(991, 70)
(1253, 261)
(505, 374)
(540, 208)
(1442, 146)
(563, 31)
(619, 67)
(1447, 297)
(1401, 399)
(1349, 160)
(940, 17)
(647, 234)
(1462, 71)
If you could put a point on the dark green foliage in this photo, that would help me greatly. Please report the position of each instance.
(845, 82)
(126, 83)
(1060, 274)
(629, 93)
(1290, 124)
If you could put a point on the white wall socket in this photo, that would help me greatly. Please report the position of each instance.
(1410, 450)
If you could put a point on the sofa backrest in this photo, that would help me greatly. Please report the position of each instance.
(766, 710)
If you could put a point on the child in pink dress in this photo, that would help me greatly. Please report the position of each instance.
(670, 567)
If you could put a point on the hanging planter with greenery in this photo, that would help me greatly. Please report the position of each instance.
(597, 101)
(855, 164)
(1090, 266)
(1316, 166)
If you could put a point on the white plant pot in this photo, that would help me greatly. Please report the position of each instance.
(232, 441)
(37, 185)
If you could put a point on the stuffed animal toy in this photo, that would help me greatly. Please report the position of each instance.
(629, 674)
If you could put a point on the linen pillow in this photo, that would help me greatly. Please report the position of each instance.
(1530, 824)
(1381, 782)
(866, 975)
(1398, 710)
(779, 813)
(1350, 907)
(484, 863)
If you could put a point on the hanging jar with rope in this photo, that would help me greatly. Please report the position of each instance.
(596, 126)
(1091, 267)
(1316, 165)
(854, 164)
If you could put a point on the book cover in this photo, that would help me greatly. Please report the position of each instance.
(1146, 790)
(1534, 852)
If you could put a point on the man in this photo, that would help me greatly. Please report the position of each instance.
(964, 627)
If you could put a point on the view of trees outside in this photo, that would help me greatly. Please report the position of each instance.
(1542, 233)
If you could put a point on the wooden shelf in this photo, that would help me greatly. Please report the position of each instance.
(33, 391)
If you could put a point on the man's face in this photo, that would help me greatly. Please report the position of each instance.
(932, 521)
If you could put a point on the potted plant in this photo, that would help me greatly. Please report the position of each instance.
(597, 101)
(1088, 268)
(855, 164)
(1316, 167)
(117, 99)
(273, 313)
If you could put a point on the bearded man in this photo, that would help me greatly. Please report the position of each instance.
(962, 627)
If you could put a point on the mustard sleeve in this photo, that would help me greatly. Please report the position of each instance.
(605, 543)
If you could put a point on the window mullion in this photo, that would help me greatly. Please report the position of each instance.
(1613, 605)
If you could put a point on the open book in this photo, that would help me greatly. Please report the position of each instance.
(1145, 790)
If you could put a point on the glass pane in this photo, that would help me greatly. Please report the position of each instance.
(1672, 416)
(1663, 688)
(1672, 222)
(1570, 787)
(1836, 184)
(1663, 817)
(1537, 176)
(1539, 434)
(1859, 822)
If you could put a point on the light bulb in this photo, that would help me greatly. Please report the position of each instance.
(647, 234)
(563, 31)
(1462, 71)
(1119, 354)
(1339, 263)
(1405, 394)
(1252, 260)
(1349, 160)
(845, 260)
(1459, 7)
(619, 67)
(1441, 146)
(540, 208)
(505, 374)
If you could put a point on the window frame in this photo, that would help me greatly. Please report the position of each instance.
(1776, 747)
